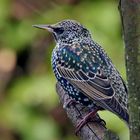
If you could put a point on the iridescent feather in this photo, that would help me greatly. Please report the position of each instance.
(87, 70)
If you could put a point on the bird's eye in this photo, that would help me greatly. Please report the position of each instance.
(84, 30)
(59, 30)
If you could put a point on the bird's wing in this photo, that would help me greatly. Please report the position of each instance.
(81, 67)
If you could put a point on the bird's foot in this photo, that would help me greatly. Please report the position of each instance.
(88, 118)
(69, 103)
(100, 121)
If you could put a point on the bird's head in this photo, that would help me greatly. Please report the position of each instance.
(66, 31)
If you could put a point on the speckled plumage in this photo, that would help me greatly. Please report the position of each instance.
(85, 71)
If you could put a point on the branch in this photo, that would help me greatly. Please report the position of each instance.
(90, 131)
(130, 15)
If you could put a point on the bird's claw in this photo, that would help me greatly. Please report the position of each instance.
(80, 125)
(90, 117)
(69, 103)
(85, 121)
(101, 121)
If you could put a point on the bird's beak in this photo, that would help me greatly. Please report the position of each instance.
(45, 27)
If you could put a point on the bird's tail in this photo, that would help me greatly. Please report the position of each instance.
(114, 106)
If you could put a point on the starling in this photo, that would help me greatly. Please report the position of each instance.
(85, 71)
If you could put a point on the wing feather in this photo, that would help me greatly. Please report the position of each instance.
(90, 79)
(86, 84)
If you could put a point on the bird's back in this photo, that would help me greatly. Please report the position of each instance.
(83, 68)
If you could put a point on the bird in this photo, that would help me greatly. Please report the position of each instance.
(85, 71)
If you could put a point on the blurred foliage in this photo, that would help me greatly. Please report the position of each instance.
(29, 106)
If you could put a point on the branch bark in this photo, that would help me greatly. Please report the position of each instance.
(130, 14)
(90, 131)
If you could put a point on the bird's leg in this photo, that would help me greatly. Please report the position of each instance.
(85, 120)
(69, 103)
